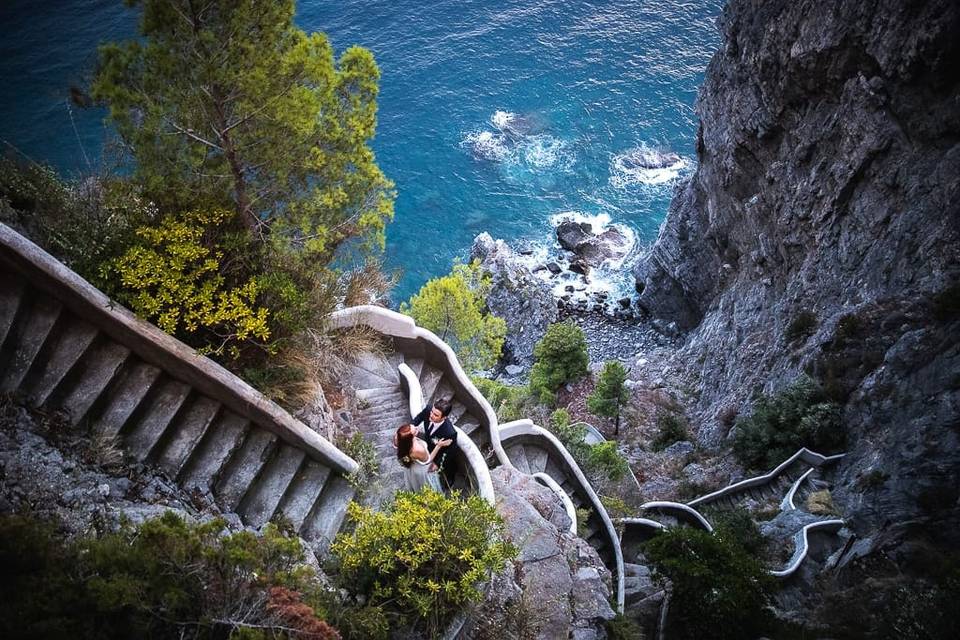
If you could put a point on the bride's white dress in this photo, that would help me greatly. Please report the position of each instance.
(418, 476)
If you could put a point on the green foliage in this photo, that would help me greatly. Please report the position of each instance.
(452, 306)
(559, 357)
(510, 402)
(83, 225)
(422, 558)
(611, 393)
(719, 590)
(671, 427)
(583, 516)
(604, 459)
(621, 627)
(736, 526)
(927, 609)
(365, 454)
(801, 327)
(173, 278)
(798, 416)
(169, 578)
(570, 436)
(229, 103)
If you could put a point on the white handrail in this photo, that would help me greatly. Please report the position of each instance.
(564, 498)
(787, 503)
(803, 545)
(686, 512)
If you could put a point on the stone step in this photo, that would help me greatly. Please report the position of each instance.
(328, 513)
(214, 449)
(554, 471)
(191, 427)
(154, 415)
(393, 408)
(518, 457)
(457, 411)
(87, 381)
(359, 378)
(11, 299)
(25, 340)
(443, 391)
(395, 358)
(429, 380)
(63, 349)
(243, 467)
(377, 394)
(468, 423)
(416, 365)
(262, 498)
(303, 492)
(536, 458)
(379, 366)
(128, 389)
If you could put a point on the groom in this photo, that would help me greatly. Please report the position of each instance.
(436, 426)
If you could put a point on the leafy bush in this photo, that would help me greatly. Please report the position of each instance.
(737, 526)
(801, 327)
(559, 357)
(604, 459)
(422, 558)
(169, 578)
(365, 454)
(173, 277)
(798, 416)
(621, 627)
(453, 307)
(671, 427)
(719, 590)
(610, 394)
(510, 402)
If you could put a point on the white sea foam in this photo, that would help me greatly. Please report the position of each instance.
(488, 146)
(502, 119)
(514, 146)
(544, 152)
(645, 165)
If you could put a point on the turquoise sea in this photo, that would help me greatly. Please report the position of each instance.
(495, 116)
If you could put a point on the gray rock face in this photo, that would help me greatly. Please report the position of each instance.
(559, 579)
(828, 190)
(524, 301)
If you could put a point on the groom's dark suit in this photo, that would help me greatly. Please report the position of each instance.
(443, 431)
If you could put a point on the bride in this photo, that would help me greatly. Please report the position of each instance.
(416, 460)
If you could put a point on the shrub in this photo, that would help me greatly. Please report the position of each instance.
(510, 402)
(168, 578)
(719, 590)
(422, 558)
(671, 427)
(453, 307)
(611, 394)
(173, 277)
(604, 459)
(365, 454)
(803, 325)
(570, 436)
(737, 526)
(798, 416)
(821, 503)
(621, 627)
(559, 357)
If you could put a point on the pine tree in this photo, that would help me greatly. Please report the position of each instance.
(227, 103)
(610, 394)
(452, 307)
(559, 357)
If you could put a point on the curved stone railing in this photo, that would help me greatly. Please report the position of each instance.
(787, 503)
(565, 500)
(526, 428)
(153, 346)
(804, 455)
(417, 340)
(682, 512)
(475, 463)
(803, 545)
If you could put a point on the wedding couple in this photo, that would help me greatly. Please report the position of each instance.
(424, 451)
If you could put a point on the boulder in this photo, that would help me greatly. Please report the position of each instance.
(592, 248)
(558, 580)
(524, 301)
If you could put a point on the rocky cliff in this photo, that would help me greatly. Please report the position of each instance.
(820, 234)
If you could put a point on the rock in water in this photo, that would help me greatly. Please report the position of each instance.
(592, 248)
(524, 301)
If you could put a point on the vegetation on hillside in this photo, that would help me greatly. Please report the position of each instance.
(454, 307)
(611, 393)
(559, 357)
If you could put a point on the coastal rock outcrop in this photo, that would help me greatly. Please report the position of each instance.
(558, 587)
(591, 247)
(524, 301)
(820, 234)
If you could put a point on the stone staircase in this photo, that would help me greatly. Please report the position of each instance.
(64, 347)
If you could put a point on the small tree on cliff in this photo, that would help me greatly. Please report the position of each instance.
(453, 306)
(610, 394)
(559, 357)
(227, 103)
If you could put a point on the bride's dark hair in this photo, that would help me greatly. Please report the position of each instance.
(404, 444)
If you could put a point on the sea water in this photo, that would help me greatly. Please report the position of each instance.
(502, 116)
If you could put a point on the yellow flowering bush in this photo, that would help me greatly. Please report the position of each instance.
(173, 277)
(424, 557)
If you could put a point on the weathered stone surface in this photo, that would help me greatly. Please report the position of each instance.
(523, 300)
(591, 247)
(558, 579)
(829, 183)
